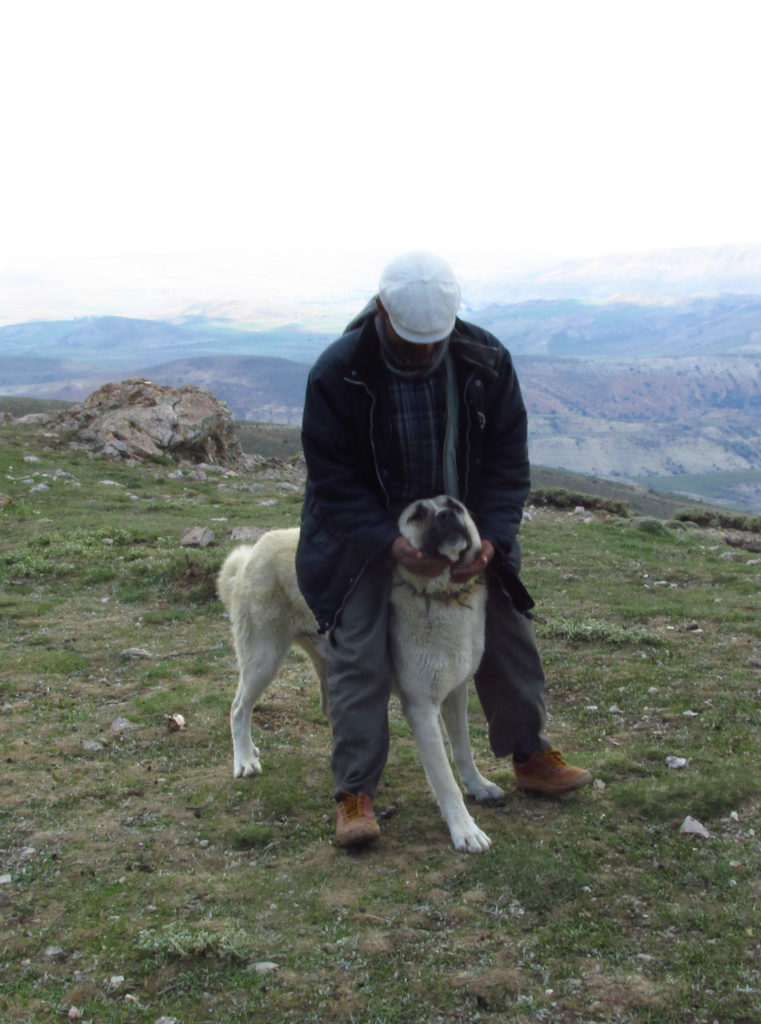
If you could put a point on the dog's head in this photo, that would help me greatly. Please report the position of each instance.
(441, 528)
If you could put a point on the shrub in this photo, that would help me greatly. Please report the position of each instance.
(559, 497)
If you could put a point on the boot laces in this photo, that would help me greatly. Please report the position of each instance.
(353, 806)
(556, 758)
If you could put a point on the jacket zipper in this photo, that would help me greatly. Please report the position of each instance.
(361, 383)
(469, 423)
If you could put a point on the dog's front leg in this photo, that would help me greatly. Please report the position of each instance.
(245, 754)
(424, 722)
(454, 711)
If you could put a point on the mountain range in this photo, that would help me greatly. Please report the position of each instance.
(664, 389)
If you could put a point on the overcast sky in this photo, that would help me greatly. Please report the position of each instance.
(297, 146)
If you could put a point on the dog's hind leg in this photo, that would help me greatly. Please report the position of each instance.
(258, 663)
(315, 646)
(454, 711)
(424, 722)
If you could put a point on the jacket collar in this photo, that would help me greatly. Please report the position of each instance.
(367, 357)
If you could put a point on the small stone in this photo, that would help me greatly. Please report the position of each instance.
(196, 537)
(122, 724)
(136, 653)
(676, 762)
(246, 533)
(690, 826)
(265, 966)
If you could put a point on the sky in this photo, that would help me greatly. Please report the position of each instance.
(165, 152)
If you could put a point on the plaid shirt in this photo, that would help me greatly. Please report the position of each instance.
(418, 417)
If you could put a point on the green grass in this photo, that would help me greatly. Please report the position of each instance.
(134, 854)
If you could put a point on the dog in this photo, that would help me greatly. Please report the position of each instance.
(436, 636)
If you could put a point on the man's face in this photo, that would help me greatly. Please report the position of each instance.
(409, 355)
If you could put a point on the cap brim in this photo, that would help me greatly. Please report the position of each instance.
(420, 339)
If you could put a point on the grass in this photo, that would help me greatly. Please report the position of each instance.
(146, 882)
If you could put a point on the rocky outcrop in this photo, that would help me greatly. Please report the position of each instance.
(136, 419)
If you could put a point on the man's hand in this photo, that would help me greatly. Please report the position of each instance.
(405, 554)
(487, 553)
(408, 556)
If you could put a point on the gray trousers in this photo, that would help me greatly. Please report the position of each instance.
(509, 681)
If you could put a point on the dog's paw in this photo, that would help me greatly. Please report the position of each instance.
(472, 840)
(245, 769)
(484, 790)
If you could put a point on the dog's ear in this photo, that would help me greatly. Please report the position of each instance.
(418, 514)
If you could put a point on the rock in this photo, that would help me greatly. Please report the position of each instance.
(246, 533)
(136, 419)
(175, 723)
(676, 762)
(136, 652)
(122, 724)
(196, 537)
(690, 826)
(264, 966)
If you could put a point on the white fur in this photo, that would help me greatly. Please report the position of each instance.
(436, 629)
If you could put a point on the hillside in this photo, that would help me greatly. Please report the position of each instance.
(141, 882)
(555, 441)
(649, 420)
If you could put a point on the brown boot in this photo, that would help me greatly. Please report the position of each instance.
(355, 820)
(547, 771)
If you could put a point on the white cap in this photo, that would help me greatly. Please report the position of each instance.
(421, 295)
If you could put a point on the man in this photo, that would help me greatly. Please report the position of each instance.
(412, 402)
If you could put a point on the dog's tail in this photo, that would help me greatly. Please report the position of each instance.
(228, 574)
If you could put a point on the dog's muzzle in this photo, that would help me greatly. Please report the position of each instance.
(446, 528)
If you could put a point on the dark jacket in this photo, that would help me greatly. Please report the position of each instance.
(349, 520)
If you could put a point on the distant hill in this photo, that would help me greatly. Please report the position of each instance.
(719, 325)
(270, 439)
(123, 344)
(261, 388)
(621, 390)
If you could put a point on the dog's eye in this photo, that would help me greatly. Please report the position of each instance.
(420, 513)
